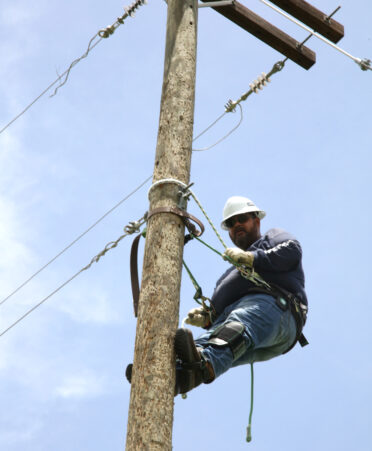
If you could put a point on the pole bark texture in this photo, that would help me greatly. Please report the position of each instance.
(150, 418)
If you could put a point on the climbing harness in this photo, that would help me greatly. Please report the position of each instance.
(186, 217)
(198, 296)
(286, 300)
(193, 232)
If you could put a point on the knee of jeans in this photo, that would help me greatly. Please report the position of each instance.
(241, 315)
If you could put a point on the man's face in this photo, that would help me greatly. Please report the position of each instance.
(244, 230)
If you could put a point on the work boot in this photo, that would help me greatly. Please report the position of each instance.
(192, 369)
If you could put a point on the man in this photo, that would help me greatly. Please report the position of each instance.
(247, 323)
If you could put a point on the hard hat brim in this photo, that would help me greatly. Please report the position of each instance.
(260, 214)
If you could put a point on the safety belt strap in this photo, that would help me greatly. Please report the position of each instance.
(134, 273)
(187, 218)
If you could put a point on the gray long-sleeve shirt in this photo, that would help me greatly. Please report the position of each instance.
(277, 258)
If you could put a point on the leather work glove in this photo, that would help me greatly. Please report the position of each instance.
(239, 256)
(198, 317)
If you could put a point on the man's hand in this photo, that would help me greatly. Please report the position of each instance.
(239, 256)
(198, 317)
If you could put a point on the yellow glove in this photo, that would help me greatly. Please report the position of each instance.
(198, 317)
(239, 256)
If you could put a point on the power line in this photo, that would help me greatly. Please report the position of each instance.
(131, 228)
(224, 137)
(84, 55)
(75, 240)
(104, 33)
(112, 209)
(364, 64)
(230, 107)
(65, 73)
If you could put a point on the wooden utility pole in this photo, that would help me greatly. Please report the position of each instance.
(153, 379)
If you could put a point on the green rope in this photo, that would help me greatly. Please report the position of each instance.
(249, 428)
(208, 219)
(198, 294)
(245, 272)
(210, 247)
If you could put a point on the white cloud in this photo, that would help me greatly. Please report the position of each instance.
(15, 256)
(16, 14)
(88, 305)
(21, 433)
(80, 386)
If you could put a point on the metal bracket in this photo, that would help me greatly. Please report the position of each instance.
(216, 4)
(183, 196)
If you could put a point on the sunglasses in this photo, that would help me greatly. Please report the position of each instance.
(241, 219)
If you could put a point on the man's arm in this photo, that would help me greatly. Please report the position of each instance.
(283, 256)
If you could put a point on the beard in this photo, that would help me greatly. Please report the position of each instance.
(244, 239)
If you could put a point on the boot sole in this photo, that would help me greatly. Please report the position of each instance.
(185, 347)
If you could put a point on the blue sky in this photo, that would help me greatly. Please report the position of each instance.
(302, 153)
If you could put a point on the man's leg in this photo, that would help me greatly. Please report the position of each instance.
(253, 328)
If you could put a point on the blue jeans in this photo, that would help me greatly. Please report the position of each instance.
(269, 331)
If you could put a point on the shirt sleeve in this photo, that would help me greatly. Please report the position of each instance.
(283, 256)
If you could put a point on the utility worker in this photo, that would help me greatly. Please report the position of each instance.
(246, 323)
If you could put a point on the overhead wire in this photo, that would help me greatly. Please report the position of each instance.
(106, 214)
(131, 228)
(66, 74)
(225, 136)
(75, 240)
(364, 64)
(229, 107)
(255, 86)
(102, 34)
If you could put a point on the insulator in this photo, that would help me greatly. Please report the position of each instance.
(261, 81)
(129, 11)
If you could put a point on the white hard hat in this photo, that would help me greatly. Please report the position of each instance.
(238, 205)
